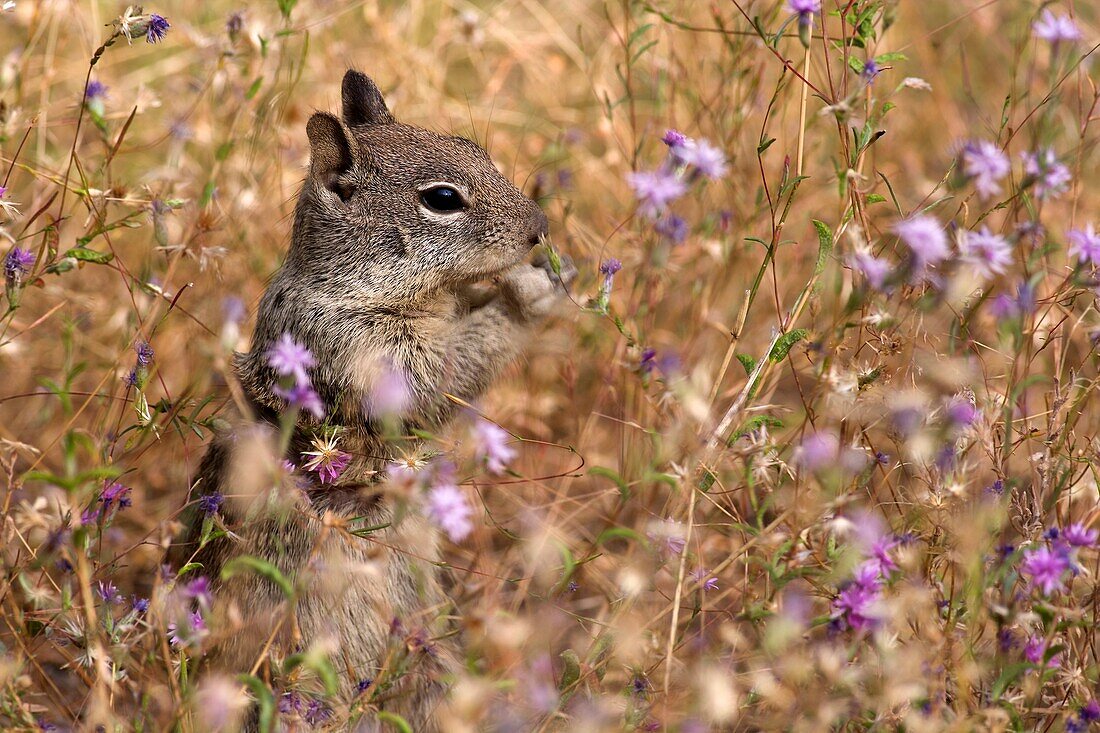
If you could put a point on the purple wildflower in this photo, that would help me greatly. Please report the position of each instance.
(448, 508)
(870, 70)
(108, 592)
(804, 9)
(17, 265)
(95, 90)
(1078, 535)
(668, 536)
(211, 503)
(925, 238)
(1049, 176)
(984, 162)
(188, 633)
(290, 359)
(702, 576)
(199, 590)
(304, 397)
(874, 269)
(1084, 244)
(649, 360)
(856, 603)
(363, 685)
(157, 28)
(115, 492)
(706, 159)
(989, 254)
(1035, 649)
(672, 228)
(610, 266)
(492, 446)
(1055, 29)
(1046, 568)
(144, 353)
(817, 451)
(655, 190)
(327, 464)
(316, 712)
(140, 605)
(1006, 306)
(674, 138)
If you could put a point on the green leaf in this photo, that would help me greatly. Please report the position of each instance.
(89, 255)
(571, 671)
(286, 6)
(747, 362)
(260, 567)
(395, 720)
(755, 423)
(706, 481)
(885, 58)
(1008, 675)
(617, 533)
(264, 699)
(188, 568)
(874, 198)
(764, 145)
(254, 88)
(785, 342)
(624, 489)
(824, 246)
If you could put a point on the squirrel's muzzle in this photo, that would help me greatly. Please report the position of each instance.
(538, 227)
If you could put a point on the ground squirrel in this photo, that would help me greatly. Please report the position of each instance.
(394, 225)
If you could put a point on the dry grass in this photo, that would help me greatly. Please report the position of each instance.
(570, 97)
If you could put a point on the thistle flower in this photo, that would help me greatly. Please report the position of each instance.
(134, 23)
(706, 159)
(924, 237)
(17, 265)
(447, 507)
(875, 269)
(326, 460)
(672, 228)
(1078, 535)
(817, 451)
(491, 444)
(701, 575)
(190, 631)
(674, 138)
(655, 190)
(303, 397)
(870, 70)
(986, 165)
(1046, 173)
(856, 604)
(210, 503)
(115, 493)
(805, 10)
(144, 353)
(290, 359)
(108, 592)
(1046, 567)
(1084, 244)
(989, 254)
(1036, 648)
(198, 590)
(1054, 29)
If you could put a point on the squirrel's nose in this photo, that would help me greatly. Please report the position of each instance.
(540, 227)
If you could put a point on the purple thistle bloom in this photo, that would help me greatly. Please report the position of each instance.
(707, 160)
(856, 603)
(115, 492)
(199, 590)
(1077, 535)
(316, 712)
(17, 265)
(817, 451)
(1084, 244)
(189, 633)
(1090, 713)
(989, 254)
(144, 353)
(874, 269)
(655, 190)
(649, 360)
(673, 228)
(1006, 306)
(448, 508)
(491, 444)
(304, 397)
(871, 69)
(701, 576)
(211, 503)
(1055, 29)
(805, 9)
(363, 685)
(1035, 649)
(108, 592)
(157, 28)
(140, 605)
(925, 238)
(1049, 176)
(984, 162)
(1046, 568)
(329, 467)
(610, 266)
(290, 359)
(674, 138)
(95, 90)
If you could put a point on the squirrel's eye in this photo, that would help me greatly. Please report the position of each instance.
(443, 199)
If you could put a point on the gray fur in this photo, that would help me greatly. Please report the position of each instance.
(370, 275)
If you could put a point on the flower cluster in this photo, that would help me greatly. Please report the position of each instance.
(688, 160)
(291, 361)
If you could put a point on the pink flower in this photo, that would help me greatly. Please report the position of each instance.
(1046, 568)
(492, 446)
(447, 507)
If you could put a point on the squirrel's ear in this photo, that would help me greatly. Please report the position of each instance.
(363, 103)
(333, 152)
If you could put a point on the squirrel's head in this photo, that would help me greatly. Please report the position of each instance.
(401, 211)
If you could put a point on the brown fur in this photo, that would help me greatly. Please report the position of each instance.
(372, 278)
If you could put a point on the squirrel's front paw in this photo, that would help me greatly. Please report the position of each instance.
(531, 291)
(567, 271)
